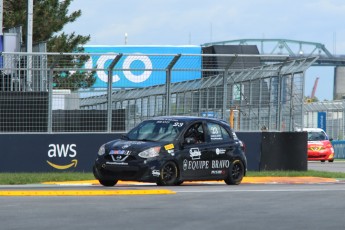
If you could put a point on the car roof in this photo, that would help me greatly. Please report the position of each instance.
(187, 118)
(314, 130)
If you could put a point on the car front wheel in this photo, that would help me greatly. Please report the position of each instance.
(235, 173)
(108, 183)
(168, 174)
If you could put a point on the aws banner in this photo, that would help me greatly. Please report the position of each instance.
(50, 152)
(142, 69)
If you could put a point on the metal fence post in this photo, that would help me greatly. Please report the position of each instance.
(168, 83)
(50, 100)
(109, 91)
(50, 93)
(225, 86)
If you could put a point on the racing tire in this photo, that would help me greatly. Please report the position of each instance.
(108, 183)
(178, 182)
(235, 173)
(168, 174)
(331, 161)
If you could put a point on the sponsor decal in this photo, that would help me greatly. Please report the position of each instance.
(204, 165)
(125, 146)
(215, 133)
(185, 164)
(62, 151)
(220, 151)
(156, 173)
(196, 165)
(169, 146)
(116, 163)
(214, 130)
(217, 172)
(171, 152)
(195, 153)
(178, 124)
(120, 152)
(219, 164)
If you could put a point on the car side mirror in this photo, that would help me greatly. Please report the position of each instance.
(189, 140)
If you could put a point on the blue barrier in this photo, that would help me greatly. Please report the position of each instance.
(339, 149)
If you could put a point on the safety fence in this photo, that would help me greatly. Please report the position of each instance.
(329, 115)
(93, 92)
(339, 149)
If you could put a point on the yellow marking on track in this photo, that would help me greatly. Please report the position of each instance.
(85, 192)
(246, 180)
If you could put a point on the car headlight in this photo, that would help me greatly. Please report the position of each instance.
(151, 152)
(101, 150)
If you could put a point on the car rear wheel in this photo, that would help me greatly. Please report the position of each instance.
(108, 183)
(178, 182)
(330, 161)
(168, 174)
(235, 173)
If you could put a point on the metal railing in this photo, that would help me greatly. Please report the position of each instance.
(73, 92)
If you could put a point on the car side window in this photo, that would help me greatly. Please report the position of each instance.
(217, 132)
(195, 134)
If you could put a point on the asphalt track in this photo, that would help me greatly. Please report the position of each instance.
(211, 205)
(139, 190)
(125, 187)
(258, 203)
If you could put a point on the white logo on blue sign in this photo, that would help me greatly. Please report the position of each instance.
(137, 70)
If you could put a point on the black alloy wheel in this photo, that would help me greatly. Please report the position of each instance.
(235, 173)
(168, 174)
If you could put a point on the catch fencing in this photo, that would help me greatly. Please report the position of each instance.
(93, 92)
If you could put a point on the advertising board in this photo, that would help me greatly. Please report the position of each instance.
(145, 67)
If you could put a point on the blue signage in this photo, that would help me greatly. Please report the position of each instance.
(321, 120)
(141, 69)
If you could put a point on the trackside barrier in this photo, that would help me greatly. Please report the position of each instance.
(77, 152)
(339, 149)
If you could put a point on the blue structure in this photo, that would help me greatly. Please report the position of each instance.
(142, 74)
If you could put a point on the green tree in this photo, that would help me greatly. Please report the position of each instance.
(49, 18)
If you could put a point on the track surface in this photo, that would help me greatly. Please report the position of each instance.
(194, 206)
(203, 205)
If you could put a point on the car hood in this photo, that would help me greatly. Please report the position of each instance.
(318, 143)
(130, 147)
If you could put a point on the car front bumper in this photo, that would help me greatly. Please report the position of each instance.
(146, 171)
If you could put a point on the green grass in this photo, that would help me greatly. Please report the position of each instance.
(34, 178)
(312, 173)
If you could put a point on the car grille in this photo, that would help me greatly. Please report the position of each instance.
(120, 157)
(316, 148)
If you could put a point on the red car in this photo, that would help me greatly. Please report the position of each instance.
(319, 145)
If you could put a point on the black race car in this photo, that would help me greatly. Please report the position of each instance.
(170, 150)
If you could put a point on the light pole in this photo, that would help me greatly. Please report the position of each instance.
(29, 44)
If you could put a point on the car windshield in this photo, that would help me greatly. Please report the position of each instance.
(316, 136)
(156, 130)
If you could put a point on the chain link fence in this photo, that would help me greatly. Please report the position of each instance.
(73, 92)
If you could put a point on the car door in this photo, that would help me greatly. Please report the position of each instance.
(194, 157)
(220, 147)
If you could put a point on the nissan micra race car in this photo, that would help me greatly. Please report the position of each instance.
(171, 150)
(320, 147)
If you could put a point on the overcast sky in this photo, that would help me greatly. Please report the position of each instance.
(195, 22)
